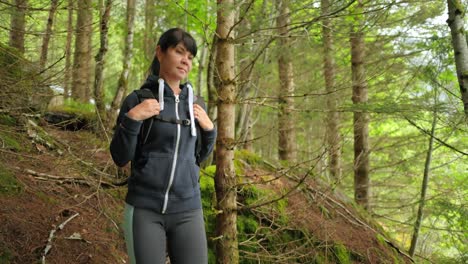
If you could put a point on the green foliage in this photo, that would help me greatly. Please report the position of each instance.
(7, 120)
(248, 156)
(5, 255)
(9, 141)
(47, 198)
(118, 193)
(75, 107)
(8, 183)
(342, 254)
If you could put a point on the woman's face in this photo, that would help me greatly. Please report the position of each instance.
(176, 62)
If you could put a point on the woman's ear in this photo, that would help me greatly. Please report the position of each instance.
(159, 52)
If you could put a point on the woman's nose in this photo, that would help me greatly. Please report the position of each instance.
(185, 59)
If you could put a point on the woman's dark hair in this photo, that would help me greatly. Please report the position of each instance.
(172, 38)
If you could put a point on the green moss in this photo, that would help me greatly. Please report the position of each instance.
(9, 141)
(8, 183)
(117, 193)
(5, 255)
(248, 157)
(381, 240)
(342, 254)
(46, 198)
(7, 120)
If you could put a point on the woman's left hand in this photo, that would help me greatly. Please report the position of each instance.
(202, 117)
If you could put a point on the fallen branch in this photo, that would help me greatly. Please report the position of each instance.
(51, 236)
(62, 180)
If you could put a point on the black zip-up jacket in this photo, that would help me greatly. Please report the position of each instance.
(164, 173)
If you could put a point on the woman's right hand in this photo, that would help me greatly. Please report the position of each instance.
(144, 110)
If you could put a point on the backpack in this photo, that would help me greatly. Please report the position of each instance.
(146, 93)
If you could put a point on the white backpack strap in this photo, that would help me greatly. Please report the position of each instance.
(190, 102)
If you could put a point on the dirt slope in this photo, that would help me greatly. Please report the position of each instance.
(50, 177)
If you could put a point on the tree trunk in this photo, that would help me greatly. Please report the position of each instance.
(422, 201)
(18, 24)
(286, 129)
(68, 52)
(82, 58)
(100, 58)
(225, 179)
(201, 69)
(149, 41)
(456, 13)
(212, 80)
(361, 118)
(128, 53)
(332, 119)
(48, 33)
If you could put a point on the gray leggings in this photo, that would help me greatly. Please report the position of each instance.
(147, 233)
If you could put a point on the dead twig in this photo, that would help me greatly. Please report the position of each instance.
(62, 180)
(51, 236)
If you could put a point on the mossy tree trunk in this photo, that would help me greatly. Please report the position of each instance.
(286, 128)
(18, 24)
(68, 50)
(212, 79)
(332, 119)
(82, 55)
(128, 53)
(225, 179)
(48, 33)
(361, 118)
(104, 10)
(456, 13)
(149, 39)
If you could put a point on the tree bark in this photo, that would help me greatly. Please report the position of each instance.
(201, 69)
(149, 41)
(48, 33)
(82, 58)
(18, 24)
(332, 119)
(286, 128)
(456, 13)
(100, 58)
(225, 179)
(422, 201)
(212, 80)
(361, 118)
(68, 51)
(128, 54)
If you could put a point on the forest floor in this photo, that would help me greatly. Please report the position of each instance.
(59, 189)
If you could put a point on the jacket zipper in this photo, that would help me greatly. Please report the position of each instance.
(174, 162)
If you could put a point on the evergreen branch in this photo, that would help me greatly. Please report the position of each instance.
(436, 138)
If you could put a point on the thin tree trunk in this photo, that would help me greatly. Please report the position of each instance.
(100, 58)
(422, 201)
(332, 119)
(361, 118)
(82, 58)
(286, 128)
(456, 13)
(68, 52)
(18, 24)
(149, 43)
(201, 69)
(128, 53)
(48, 33)
(225, 179)
(212, 80)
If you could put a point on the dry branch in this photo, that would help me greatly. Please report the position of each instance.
(51, 236)
(62, 180)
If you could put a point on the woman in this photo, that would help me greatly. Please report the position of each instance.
(163, 204)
